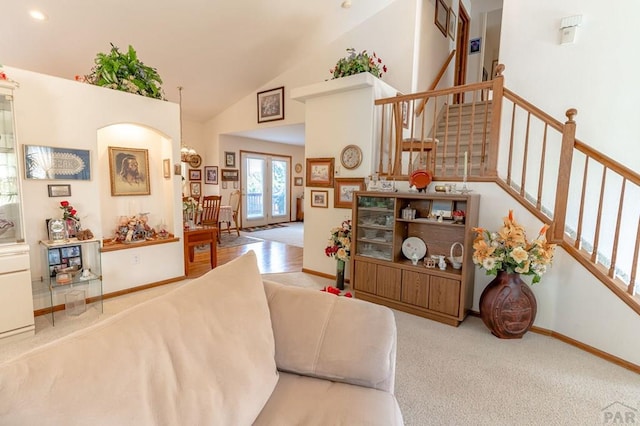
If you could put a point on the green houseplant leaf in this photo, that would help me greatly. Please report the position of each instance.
(124, 71)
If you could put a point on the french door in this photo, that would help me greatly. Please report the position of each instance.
(266, 188)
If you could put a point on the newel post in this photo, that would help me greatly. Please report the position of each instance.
(564, 175)
(496, 116)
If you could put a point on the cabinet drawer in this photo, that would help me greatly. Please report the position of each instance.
(14, 262)
(415, 288)
(444, 295)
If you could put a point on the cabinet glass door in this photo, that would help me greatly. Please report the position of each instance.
(10, 208)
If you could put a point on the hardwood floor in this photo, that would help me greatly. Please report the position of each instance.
(273, 257)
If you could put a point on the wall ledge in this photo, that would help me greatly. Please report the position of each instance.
(339, 85)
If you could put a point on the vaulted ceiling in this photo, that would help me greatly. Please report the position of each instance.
(219, 51)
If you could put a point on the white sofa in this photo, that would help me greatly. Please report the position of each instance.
(223, 349)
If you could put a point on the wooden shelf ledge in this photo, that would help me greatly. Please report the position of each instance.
(109, 245)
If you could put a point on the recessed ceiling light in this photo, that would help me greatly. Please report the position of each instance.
(346, 4)
(37, 15)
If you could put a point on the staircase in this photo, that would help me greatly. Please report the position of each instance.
(462, 128)
(559, 179)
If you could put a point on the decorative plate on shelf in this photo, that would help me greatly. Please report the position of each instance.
(414, 245)
(421, 179)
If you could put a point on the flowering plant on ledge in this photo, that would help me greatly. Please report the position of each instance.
(355, 63)
(508, 250)
(339, 245)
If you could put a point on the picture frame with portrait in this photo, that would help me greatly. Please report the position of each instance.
(343, 191)
(211, 175)
(129, 171)
(320, 172)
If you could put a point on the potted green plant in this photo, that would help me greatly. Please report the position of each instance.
(124, 71)
(355, 63)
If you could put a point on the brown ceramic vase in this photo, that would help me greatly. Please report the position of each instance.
(508, 306)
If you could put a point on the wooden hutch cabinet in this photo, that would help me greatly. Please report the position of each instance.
(383, 273)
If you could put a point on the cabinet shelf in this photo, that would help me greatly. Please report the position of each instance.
(382, 274)
(80, 255)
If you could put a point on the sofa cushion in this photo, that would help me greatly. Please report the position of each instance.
(301, 400)
(336, 338)
(201, 354)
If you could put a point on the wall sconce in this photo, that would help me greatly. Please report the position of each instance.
(568, 28)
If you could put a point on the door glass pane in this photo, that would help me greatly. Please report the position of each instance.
(255, 185)
(279, 188)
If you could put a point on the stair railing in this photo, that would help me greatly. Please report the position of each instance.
(408, 142)
(575, 189)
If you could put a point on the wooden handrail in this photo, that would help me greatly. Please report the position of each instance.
(609, 163)
(434, 93)
(436, 80)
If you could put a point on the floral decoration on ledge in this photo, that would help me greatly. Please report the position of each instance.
(125, 72)
(508, 250)
(356, 63)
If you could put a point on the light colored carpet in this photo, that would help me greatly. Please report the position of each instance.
(454, 376)
(292, 233)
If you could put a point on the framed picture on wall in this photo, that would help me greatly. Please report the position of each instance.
(195, 188)
(452, 25)
(195, 174)
(230, 174)
(320, 172)
(442, 16)
(319, 199)
(229, 159)
(297, 181)
(474, 45)
(344, 189)
(271, 105)
(60, 190)
(47, 162)
(129, 171)
(166, 168)
(211, 175)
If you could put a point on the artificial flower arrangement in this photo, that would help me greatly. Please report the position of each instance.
(508, 250)
(68, 212)
(190, 206)
(340, 242)
(355, 63)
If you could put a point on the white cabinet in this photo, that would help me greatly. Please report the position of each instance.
(16, 300)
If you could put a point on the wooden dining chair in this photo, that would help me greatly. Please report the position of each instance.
(211, 211)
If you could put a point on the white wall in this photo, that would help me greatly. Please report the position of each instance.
(570, 300)
(342, 112)
(389, 33)
(51, 111)
(594, 75)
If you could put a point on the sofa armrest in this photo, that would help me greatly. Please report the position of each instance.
(341, 339)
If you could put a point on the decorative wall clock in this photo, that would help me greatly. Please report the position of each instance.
(351, 157)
